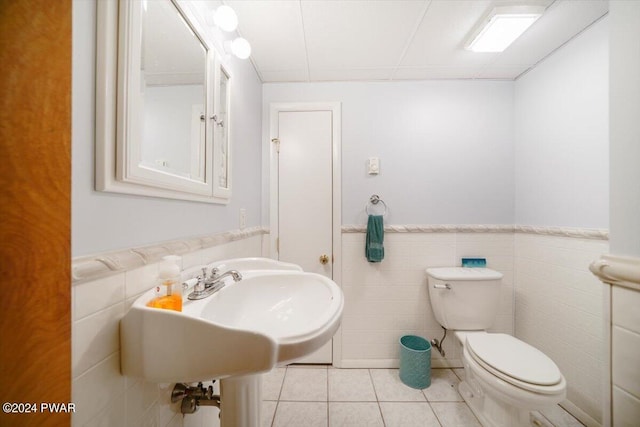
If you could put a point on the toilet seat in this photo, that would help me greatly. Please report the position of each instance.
(515, 362)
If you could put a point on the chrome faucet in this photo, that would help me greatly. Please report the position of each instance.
(213, 276)
(210, 284)
(233, 273)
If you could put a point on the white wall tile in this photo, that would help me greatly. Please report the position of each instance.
(558, 309)
(265, 246)
(503, 324)
(141, 397)
(94, 390)
(626, 408)
(167, 411)
(386, 300)
(625, 373)
(112, 415)
(140, 280)
(103, 396)
(625, 311)
(97, 295)
(148, 419)
(192, 259)
(213, 253)
(95, 337)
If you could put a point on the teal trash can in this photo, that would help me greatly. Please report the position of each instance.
(415, 361)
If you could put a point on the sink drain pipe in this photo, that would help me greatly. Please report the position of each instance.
(194, 397)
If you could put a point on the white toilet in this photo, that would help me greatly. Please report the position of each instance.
(505, 378)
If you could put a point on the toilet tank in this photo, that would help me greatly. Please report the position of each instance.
(464, 298)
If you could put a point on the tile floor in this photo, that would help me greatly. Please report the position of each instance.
(309, 396)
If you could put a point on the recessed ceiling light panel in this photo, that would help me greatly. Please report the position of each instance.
(502, 27)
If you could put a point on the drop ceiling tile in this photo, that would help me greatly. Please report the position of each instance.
(308, 40)
(560, 22)
(284, 76)
(428, 73)
(441, 35)
(502, 73)
(274, 29)
(346, 74)
(358, 34)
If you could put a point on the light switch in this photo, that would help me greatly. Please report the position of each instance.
(374, 166)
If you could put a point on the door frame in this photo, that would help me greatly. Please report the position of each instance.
(336, 188)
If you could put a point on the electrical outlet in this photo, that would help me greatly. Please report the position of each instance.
(243, 218)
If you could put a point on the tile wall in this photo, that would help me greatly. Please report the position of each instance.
(559, 309)
(102, 395)
(625, 348)
(549, 299)
(384, 301)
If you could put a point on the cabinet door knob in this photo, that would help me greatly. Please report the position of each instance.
(324, 259)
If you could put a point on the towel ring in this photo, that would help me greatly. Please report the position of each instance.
(374, 200)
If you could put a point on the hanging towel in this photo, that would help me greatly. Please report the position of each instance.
(373, 250)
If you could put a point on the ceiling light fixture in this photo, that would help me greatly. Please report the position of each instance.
(241, 48)
(225, 18)
(502, 27)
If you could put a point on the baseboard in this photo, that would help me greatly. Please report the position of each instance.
(582, 416)
(370, 363)
(394, 363)
(447, 363)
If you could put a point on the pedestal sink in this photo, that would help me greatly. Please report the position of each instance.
(255, 263)
(268, 318)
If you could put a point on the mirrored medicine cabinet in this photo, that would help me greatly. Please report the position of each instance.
(162, 104)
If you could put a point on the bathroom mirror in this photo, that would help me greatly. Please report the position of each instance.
(156, 87)
(172, 91)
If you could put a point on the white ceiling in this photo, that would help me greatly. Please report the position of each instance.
(352, 40)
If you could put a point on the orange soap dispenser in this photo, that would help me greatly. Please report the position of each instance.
(168, 289)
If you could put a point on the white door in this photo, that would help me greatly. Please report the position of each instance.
(305, 208)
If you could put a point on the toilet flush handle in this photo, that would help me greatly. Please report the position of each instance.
(445, 286)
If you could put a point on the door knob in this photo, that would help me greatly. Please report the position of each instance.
(324, 259)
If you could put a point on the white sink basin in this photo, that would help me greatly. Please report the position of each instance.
(245, 264)
(300, 311)
(250, 326)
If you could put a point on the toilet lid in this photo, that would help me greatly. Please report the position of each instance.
(514, 358)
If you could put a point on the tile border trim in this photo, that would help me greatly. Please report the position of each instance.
(92, 267)
(618, 270)
(434, 228)
(581, 233)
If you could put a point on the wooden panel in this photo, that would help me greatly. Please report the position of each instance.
(35, 178)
